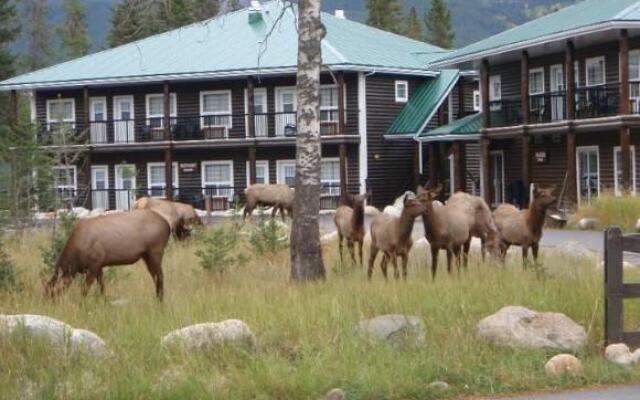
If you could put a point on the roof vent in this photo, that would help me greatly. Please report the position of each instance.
(340, 14)
(255, 5)
(255, 12)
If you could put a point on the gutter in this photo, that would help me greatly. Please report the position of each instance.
(448, 138)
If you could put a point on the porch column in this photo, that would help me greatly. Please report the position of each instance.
(416, 164)
(251, 128)
(459, 166)
(434, 152)
(571, 81)
(485, 168)
(625, 134)
(87, 160)
(13, 109)
(524, 87)
(571, 189)
(461, 112)
(484, 94)
(341, 131)
(168, 156)
(526, 159)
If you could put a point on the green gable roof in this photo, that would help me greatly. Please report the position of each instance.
(423, 104)
(586, 15)
(230, 45)
(464, 128)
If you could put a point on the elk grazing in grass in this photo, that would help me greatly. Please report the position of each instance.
(278, 196)
(481, 223)
(112, 240)
(445, 228)
(181, 217)
(392, 236)
(524, 227)
(349, 222)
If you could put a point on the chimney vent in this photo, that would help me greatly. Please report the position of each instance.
(255, 12)
(340, 14)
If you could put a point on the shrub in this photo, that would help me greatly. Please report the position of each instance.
(219, 245)
(268, 237)
(51, 253)
(608, 210)
(7, 271)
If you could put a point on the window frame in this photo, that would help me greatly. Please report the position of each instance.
(492, 80)
(50, 119)
(173, 102)
(635, 52)
(595, 60)
(477, 106)
(532, 71)
(617, 188)
(333, 187)
(259, 163)
(204, 182)
(405, 98)
(280, 164)
(175, 173)
(580, 149)
(204, 113)
(265, 114)
(75, 177)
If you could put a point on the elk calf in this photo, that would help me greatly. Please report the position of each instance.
(350, 226)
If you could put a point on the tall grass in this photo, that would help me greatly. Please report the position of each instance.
(608, 210)
(306, 339)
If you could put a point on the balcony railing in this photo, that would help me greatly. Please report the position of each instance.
(184, 128)
(547, 107)
(597, 101)
(505, 112)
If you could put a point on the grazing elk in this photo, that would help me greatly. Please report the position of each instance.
(181, 217)
(392, 235)
(445, 228)
(349, 222)
(278, 196)
(524, 227)
(112, 240)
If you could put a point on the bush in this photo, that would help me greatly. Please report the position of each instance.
(7, 271)
(51, 253)
(217, 255)
(268, 237)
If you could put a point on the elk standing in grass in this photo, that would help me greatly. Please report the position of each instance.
(445, 228)
(392, 235)
(180, 216)
(111, 240)
(349, 222)
(524, 227)
(278, 196)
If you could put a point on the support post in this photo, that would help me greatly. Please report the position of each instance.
(572, 191)
(87, 161)
(458, 162)
(433, 163)
(571, 81)
(624, 72)
(485, 167)
(625, 152)
(526, 160)
(251, 127)
(341, 131)
(613, 286)
(416, 164)
(524, 87)
(461, 110)
(13, 109)
(168, 156)
(484, 94)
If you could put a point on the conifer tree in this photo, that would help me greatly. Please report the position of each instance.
(438, 21)
(385, 15)
(129, 21)
(37, 33)
(414, 31)
(172, 14)
(74, 36)
(9, 29)
(204, 9)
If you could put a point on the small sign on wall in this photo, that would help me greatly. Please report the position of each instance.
(188, 167)
(541, 157)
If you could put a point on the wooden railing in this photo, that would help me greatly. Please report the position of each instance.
(615, 290)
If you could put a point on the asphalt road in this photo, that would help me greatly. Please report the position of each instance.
(618, 393)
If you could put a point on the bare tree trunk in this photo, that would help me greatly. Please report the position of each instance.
(306, 250)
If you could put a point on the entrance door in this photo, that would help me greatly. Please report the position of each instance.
(557, 93)
(98, 119)
(497, 177)
(125, 186)
(123, 119)
(100, 187)
(588, 173)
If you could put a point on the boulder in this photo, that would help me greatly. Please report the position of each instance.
(520, 327)
(563, 364)
(56, 332)
(619, 353)
(335, 394)
(329, 237)
(438, 386)
(587, 224)
(207, 335)
(395, 329)
(638, 225)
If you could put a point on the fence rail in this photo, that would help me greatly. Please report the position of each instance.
(615, 290)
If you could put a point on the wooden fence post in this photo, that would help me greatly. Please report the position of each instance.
(613, 286)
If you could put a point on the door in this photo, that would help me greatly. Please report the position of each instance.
(98, 120)
(260, 112)
(588, 173)
(125, 186)
(497, 177)
(100, 187)
(557, 93)
(123, 119)
(286, 107)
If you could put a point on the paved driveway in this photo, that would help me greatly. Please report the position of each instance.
(618, 393)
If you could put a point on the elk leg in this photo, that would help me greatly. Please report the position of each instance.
(467, 247)
(352, 251)
(247, 211)
(282, 214)
(274, 211)
(340, 247)
(383, 265)
(396, 272)
(405, 260)
(534, 250)
(483, 249)
(91, 276)
(360, 252)
(434, 262)
(100, 278)
(154, 266)
(449, 260)
(373, 252)
(525, 253)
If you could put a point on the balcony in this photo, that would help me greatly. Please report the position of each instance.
(505, 112)
(597, 101)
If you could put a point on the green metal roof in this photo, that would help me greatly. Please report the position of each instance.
(584, 16)
(467, 127)
(423, 104)
(230, 45)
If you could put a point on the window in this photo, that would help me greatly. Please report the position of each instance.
(634, 79)
(286, 172)
(217, 178)
(536, 81)
(98, 118)
(329, 103)
(262, 172)
(477, 103)
(215, 109)
(576, 74)
(330, 177)
(259, 110)
(65, 181)
(617, 168)
(155, 109)
(595, 71)
(402, 91)
(61, 112)
(495, 88)
(156, 181)
(286, 107)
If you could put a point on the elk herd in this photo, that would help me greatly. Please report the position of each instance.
(143, 233)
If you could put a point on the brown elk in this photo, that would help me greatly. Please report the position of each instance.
(181, 217)
(278, 196)
(392, 235)
(524, 227)
(112, 240)
(349, 221)
(445, 228)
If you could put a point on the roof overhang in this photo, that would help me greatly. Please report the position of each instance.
(207, 76)
(539, 41)
(435, 110)
(448, 138)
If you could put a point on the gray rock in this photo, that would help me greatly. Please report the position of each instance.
(520, 327)
(335, 394)
(619, 353)
(88, 341)
(563, 364)
(394, 328)
(201, 336)
(638, 225)
(587, 224)
(438, 386)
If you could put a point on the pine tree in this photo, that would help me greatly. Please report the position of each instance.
(8, 33)
(74, 36)
(414, 31)
(385, 15)
(172, 14)
(438, 21)
(38, 34)
(129, 21)
(204, 9)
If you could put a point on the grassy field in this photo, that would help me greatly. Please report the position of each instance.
(610, 210)
(306, 341)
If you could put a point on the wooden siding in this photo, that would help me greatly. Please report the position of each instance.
(472, 163)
